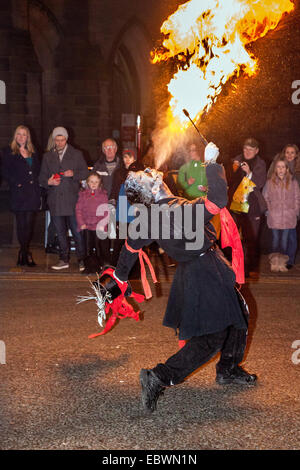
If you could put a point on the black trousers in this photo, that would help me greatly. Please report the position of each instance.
(24, 224)
(199, 350)
(93, 245)
(250, 227)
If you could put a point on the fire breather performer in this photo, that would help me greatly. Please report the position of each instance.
(204, 305)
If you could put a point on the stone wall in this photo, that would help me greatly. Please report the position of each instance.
(21, 73)
(58, 59)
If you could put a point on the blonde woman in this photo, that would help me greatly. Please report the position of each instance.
(290, 153)
(20, 168)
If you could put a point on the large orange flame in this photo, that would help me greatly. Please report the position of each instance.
(208, 39)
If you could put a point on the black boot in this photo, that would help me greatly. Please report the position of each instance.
(152, 388)
(232, 354)
(236, 375)
(29, 260)
(21, 258)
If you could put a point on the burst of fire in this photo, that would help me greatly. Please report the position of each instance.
(207, 38)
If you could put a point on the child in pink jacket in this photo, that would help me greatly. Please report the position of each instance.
(282, 196)
(92, 201)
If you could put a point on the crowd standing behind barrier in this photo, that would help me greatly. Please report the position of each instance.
(63, 168)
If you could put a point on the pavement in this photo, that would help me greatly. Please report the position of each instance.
(60, 390)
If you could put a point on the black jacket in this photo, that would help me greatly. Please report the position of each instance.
(202, 298)
(23, 181)
(259, 177)
(107, 179)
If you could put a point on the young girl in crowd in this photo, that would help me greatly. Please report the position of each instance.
(282, 195)
(90, 224)
(290, 153)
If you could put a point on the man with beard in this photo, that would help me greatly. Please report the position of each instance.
(204, 306)
(63, 168)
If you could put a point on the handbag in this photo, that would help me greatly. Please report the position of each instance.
(240, 198)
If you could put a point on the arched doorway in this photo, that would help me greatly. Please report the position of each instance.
(125, 86)
(131, 92)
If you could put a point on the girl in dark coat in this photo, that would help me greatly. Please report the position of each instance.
(20, 167)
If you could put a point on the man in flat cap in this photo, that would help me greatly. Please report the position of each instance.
(62, 169)
(249, 173)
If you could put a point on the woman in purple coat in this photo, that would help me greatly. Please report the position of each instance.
(282, 195)
(92, 217)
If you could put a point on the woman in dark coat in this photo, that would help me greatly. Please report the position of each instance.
(20, 168)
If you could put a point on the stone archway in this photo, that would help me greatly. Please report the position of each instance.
(46, 34)
(70, 78)
(131, 73)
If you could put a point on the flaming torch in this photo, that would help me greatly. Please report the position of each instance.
(138, 136)
(208, 39)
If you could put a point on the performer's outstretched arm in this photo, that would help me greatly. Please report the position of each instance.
(128, 257)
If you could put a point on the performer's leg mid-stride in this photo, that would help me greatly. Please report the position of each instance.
(198, 350)
(204, 306)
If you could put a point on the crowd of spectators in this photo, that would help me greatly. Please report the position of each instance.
(79, 201)
(84, 202)
(256, 197)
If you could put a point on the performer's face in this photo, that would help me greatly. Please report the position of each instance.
(141, 186)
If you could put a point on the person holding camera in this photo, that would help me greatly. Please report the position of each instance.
(249, 172)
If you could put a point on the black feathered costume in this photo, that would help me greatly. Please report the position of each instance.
(203, 303)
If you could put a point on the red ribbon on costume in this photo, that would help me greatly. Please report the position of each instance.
(230, 237)
(119, 307)
(142, 257)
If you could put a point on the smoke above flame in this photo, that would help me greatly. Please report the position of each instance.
(208, 40)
